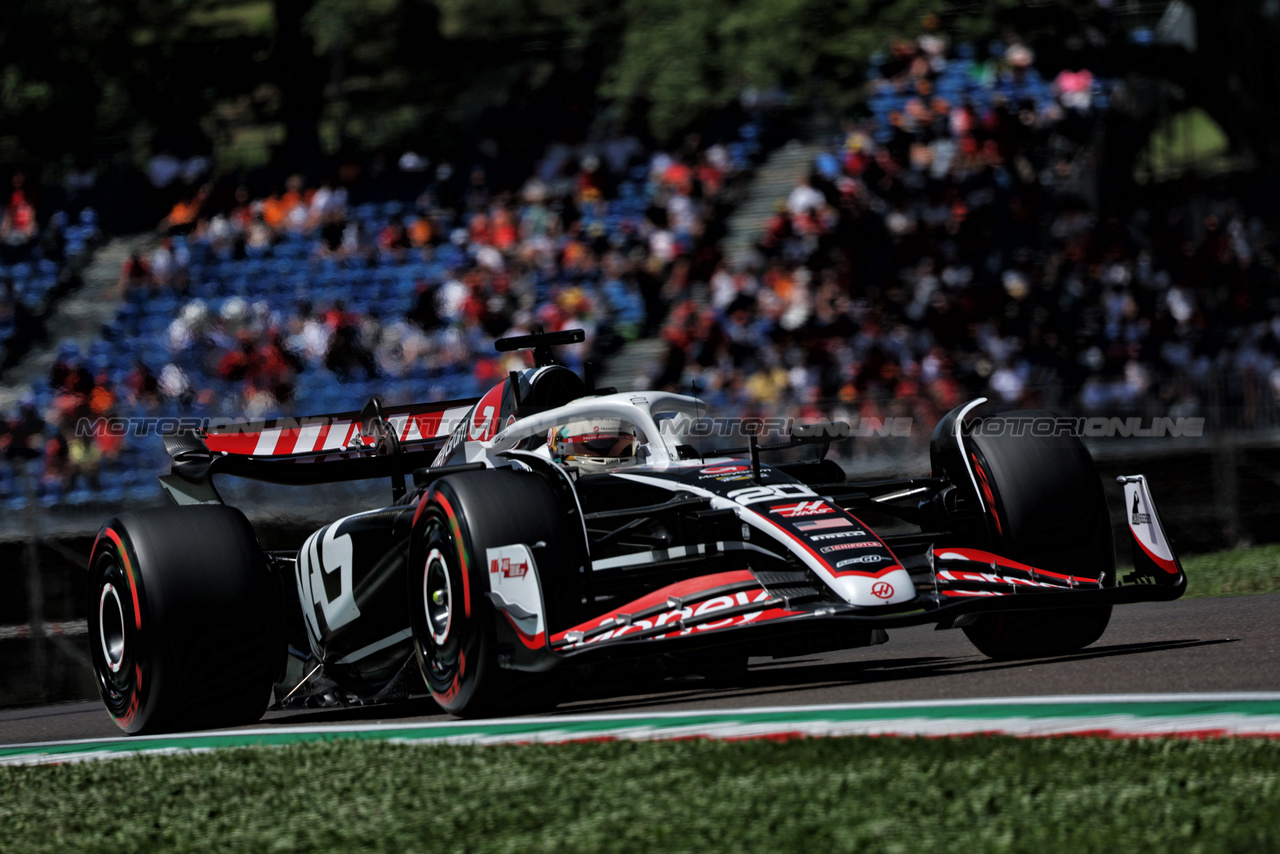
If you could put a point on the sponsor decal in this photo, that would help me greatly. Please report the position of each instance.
(803, 508)
(839, 547)
(730, 478)
(1137, 517)
(485, 421)
(882, 590)
(482, 424)
(327, 553)
(456, 438)
(713, 470)
(862, 559)
(675, 617)
(509, 569)
(838, 535)
(821, 524)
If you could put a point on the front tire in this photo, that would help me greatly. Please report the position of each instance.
(1045, 507)
(184, 623)
(454, 622)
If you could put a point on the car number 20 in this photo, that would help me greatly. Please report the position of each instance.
(756, 494)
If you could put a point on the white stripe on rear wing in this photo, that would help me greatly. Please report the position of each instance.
(418, 424)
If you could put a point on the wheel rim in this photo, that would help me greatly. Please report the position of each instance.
(115, 657)
(437, 597)
(111, 627)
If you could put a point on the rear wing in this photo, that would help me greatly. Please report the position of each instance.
(417, 424)
(308, 450)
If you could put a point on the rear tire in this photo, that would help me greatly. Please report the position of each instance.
(1046, 508)
(184, 620)
(454, 623)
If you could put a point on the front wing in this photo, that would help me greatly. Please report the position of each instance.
(750, 605)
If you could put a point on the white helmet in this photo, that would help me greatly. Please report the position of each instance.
(594, 444)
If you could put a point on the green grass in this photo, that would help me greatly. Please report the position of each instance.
(845, 794)
(1231, 573)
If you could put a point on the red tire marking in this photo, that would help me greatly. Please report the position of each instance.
(462, 551)
(128, 568)
(986, 492)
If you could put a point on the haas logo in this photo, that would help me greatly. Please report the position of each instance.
(803, 508)
(882, 590)
(507, 568)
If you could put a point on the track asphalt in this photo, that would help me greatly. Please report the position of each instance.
(1211, 645)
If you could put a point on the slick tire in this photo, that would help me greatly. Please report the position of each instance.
(1046, 508)
(184, 620)
(454, 622)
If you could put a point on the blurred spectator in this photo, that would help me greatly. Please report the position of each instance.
(18, 229)
(135, 274)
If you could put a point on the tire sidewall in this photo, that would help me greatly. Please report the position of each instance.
(203, 625)
(128, 691)
(462, 516)
(455, 669)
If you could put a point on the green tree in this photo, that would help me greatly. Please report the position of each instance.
(678, 60)
(77, 73)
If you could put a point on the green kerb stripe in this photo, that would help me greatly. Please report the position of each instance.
(1182, 715)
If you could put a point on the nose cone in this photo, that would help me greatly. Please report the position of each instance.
(888, 589)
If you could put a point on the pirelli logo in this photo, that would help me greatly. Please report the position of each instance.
(838, 535)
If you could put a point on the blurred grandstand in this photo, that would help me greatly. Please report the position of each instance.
(942, 244)
(306, 301)
(946, 246)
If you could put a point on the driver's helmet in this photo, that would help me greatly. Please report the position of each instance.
(594, 444)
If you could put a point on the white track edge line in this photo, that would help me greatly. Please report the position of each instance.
(551, 720)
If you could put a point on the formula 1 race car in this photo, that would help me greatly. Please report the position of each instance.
(550, 524)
